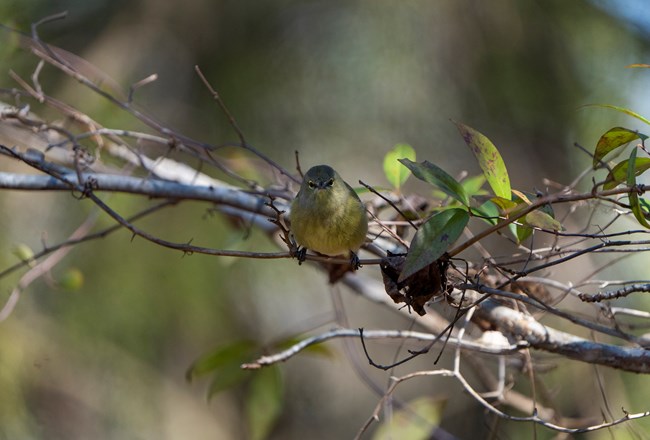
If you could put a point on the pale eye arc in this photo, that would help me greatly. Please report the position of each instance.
(311, 184)
(330, 182)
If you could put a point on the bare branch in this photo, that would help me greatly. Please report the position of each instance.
(524, 327)
(540, 202)
(74, 240)
(235, 126)
(381, 335)
(614, 294)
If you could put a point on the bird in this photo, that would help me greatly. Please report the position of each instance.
(327, 216)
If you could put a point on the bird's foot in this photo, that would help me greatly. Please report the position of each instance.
(301, 254)
(355, 263)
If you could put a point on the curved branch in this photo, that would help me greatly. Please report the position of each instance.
(379, 334)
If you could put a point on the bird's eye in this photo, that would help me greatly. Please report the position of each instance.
(330, 182)
(311, 184)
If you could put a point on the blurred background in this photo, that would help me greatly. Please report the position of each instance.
(341, 82)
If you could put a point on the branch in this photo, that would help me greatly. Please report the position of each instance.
(72, 241)
(469, 389)
(62, 178)
(525, 328)
(538, 203)
(45, 266)
(380, 334)
(541, 305)
(223, 195)
(613, 294)
(233, 123)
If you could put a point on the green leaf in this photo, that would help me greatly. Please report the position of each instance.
(435, 175)
(622, 110)
(319, 349)
(395, 173)
(488, 212)
(613, 139)
(519, 229)
(644, 204)
(235, 353)
(416, 421)
(522, 232)
(631, 176)
(473, 185)
(433, 239)
(543, 217)
(227, 376)
(265, 401)
(542, 220)
(637, 209)
(618, 174)
(489, 160)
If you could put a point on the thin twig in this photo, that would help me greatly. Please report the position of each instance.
(235, 126)
(72, 241)
(292, 351)
(45, 266)
(614, 294)
(390, 202)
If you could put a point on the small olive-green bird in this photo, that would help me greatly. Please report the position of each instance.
(327, 215)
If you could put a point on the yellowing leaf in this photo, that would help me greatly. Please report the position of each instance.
(71, 280)
(489, 160)
(542, 220)
(618, 174)
(24, 253)
(522, 196)
(506, 206)
(614, 138)
(622, 110)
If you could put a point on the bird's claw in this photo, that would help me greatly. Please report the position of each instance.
(301, 254)
(355, 263)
